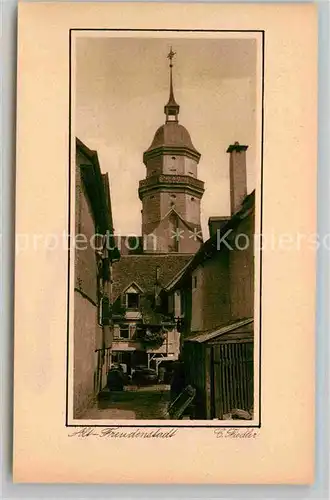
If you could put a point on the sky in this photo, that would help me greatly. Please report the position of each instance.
(121, 87)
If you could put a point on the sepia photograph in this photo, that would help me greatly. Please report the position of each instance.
(165, 244)
(165, 206)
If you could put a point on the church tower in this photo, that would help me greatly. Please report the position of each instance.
(171, 192)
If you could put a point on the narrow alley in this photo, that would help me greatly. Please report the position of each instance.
(134, 402)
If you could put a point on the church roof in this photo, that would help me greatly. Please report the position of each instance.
(194, 228)
(170, 135)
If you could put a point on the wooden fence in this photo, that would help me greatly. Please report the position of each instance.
(231, 377)
(222, 373)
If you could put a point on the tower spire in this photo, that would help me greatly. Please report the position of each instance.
(171, 109)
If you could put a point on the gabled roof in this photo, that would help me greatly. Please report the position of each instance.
(188, 225)
(133, 285)
(141, 269)
(212, 335)
(96, 185)
(209, 247)
(178, 276)
(196, 229)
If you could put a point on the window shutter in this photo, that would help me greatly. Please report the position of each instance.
(105, 269)
(116, 331)
(100, 311)
(114, 254)
(105, 306)
(132, 330)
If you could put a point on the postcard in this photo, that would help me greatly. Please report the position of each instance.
(165, 243)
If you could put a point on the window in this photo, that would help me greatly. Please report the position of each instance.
(124, 332)
(116, 332)
(132, 300)
(132, 330)
(115, 357)
(194, 281)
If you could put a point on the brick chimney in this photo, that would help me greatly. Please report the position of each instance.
(237, 172)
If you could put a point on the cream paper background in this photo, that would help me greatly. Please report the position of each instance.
(283, 451)
(249, 114)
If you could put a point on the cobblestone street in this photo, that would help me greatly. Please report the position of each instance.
(133, 403)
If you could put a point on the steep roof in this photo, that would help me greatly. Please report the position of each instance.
(171, 137)
(141, 269)
(214, 334)
(129, 245)
(106, 184)
(172, 134)
(194, 228)
(209, 248)
(97, 186)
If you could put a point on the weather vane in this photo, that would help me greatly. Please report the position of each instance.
(170, 56)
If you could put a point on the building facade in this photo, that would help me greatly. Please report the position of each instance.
(169, 293)
(217, 290)
(144, 331)
(92, 277)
